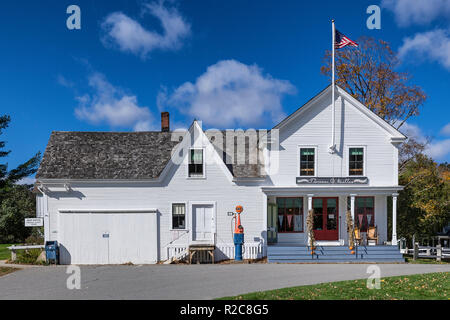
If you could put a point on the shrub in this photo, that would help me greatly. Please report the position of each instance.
(28, 256)
(35, 239)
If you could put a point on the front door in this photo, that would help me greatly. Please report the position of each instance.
(326, 218)
(202, 220)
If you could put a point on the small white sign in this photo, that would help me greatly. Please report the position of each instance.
(34, 222)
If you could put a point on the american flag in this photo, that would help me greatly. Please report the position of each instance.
(341, 41)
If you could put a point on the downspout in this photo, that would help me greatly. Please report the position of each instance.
(45, 213)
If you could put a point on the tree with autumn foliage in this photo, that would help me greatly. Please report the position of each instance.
(424, 204)
(369, 73)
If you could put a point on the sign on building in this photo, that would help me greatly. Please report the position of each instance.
(34, 222)
(332, 180)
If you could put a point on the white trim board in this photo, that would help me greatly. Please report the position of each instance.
(139, 210)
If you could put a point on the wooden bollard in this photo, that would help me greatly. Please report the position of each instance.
(416, 251)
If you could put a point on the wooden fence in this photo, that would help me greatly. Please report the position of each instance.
(438, 252)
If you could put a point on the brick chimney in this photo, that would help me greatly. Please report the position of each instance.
(165, 123)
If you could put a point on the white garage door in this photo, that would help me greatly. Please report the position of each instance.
(107, 238)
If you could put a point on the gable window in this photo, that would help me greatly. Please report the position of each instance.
(307, 161)
(196, 163)
(178, 216)
(356, 162)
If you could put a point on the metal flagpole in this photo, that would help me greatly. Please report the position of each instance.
(332, 148)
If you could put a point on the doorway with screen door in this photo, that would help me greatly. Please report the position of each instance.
(202, 223)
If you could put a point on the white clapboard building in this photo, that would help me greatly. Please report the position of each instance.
(145, 197)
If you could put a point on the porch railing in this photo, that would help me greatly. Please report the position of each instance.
(224, 251)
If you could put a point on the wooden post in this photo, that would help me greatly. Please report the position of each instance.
(439, 253)
(394, 219)
(416, 251)
(13, 255)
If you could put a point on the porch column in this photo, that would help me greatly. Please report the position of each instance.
(310, 196)
(352, 206)
(264, 226)
(394, 218)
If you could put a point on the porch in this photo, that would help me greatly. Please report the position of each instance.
(294, 253)
(288, 207)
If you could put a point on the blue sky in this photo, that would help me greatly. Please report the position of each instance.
(229, 63)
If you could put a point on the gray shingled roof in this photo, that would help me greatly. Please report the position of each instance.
(106, 155)
(239, 169)
(117, 155)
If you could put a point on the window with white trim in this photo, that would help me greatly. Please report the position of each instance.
(178, 216)
(307, 161)
(196, 163)
(356, 161)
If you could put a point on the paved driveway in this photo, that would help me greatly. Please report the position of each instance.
(185, 281)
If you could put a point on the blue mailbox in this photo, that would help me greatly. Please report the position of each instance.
(52, 251)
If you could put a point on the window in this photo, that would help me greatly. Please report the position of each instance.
(356, 161)
(364, 212)
(307, 157)
(290, 215)
(196, 163)
(178, 216)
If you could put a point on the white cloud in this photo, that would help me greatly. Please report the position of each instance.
(109, 104)
(408, 12)
(26, 180)
(413, 131)
(446, 130)
(230, 93)
(63, 81)
(436, 149)
(130, 36)
(432, 45)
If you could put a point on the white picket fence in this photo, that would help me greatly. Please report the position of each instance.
(224, 251)
(177, 251)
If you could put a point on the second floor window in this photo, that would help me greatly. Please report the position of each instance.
(356, 162)
(196, 163)
(307, 157)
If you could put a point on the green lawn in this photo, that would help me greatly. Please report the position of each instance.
(420, 286)
(4, 252)
(426, 261)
